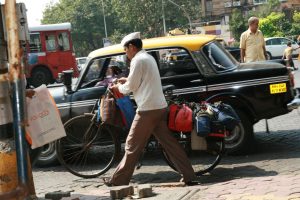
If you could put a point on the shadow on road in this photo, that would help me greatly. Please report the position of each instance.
(221, 174)
(157, 177)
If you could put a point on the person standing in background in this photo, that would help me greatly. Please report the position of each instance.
(288, 56)
(252, 43)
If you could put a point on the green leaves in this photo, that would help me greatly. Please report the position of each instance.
(122, 17)
(238, 24)
(272, 24)
(276, 24)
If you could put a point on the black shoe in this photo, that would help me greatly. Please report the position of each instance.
(191, 183)
(107, 182)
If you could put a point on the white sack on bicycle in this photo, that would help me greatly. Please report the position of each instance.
(44, 122)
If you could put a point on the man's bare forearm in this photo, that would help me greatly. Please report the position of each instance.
(242, 55)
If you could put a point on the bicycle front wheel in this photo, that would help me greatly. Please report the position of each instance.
(89, 149)
(205, 160)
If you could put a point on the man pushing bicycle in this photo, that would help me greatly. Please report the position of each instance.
(151, 115)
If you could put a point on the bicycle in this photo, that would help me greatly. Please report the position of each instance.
(91, 147)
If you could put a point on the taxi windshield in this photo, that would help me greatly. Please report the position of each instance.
(219, 57)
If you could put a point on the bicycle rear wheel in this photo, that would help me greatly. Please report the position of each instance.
(203, 161)
(89, 149)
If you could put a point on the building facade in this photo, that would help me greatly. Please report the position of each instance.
(215, 14)
(220, 10)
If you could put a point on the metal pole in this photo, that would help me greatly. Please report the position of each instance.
(104, 19)
(188, 18)
(16, 77)
(163, 15)
(184, 11)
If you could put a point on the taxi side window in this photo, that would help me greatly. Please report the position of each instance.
(173, 62)
(94, 70)
(120, 65)
(112, 68)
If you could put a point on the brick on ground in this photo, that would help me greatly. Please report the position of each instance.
(120, 192)
(144, 191)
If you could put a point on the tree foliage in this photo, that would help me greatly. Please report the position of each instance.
(122, 17)
(147, 16)
(238, 24)
(271, 23)
(86, 19)
(266, 9)
(274, 24)
(295, 30)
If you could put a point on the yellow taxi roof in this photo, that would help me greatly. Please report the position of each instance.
(190, 42)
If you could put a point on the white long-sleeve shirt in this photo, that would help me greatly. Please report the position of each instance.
(144, 81)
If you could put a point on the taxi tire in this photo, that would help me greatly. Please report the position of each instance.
(246, 137)
(48, 156)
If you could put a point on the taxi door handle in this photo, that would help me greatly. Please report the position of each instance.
(196, 81)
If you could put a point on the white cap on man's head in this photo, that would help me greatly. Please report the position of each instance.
(131, 36)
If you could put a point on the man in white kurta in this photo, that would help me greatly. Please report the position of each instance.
(151, 116)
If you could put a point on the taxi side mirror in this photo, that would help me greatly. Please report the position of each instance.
(67, 80)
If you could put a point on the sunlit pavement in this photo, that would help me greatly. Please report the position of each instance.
(272, 172)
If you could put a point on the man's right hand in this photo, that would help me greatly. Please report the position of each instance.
(122, 80)
(30, 93)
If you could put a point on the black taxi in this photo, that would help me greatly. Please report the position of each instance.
(200, 69)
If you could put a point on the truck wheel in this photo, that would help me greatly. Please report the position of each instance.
(47, 156)
(40, 76)
(241, 139)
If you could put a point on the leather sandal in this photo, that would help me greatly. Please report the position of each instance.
(107, 182)
(190, 183)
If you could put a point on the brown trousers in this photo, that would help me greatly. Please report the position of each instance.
(146, 123)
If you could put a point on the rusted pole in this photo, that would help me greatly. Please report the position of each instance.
(8, 165)
(11, 186)
(16, 78)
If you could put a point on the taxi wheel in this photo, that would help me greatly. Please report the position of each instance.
(241, 139)
(47, 156)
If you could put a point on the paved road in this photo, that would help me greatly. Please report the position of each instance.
(272, 172)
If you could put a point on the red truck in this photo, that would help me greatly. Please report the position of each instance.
(50, 51)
